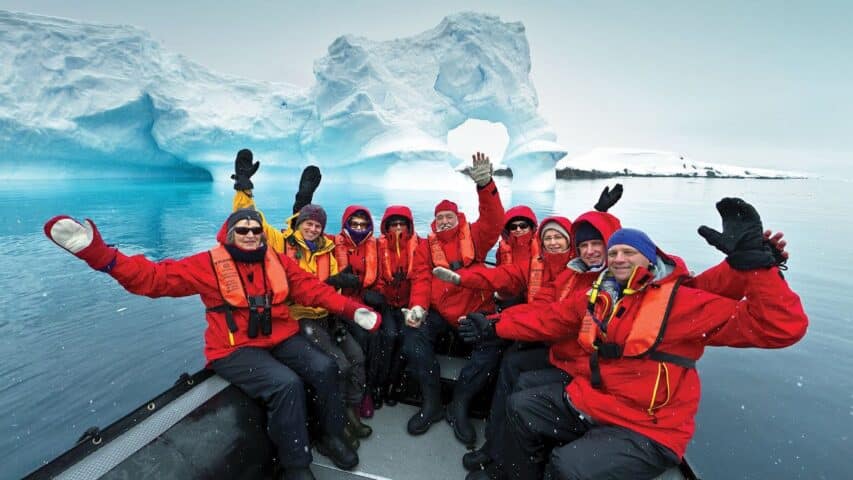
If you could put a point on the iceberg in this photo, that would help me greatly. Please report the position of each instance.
(88, 100)
(623, 162)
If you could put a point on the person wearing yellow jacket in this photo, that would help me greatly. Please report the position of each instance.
(303, 239)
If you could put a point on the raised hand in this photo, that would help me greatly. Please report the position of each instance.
(742, 238)
(481, 169)
(244, 169)
(608, 198)
(777, 247)
(308, 183)
(82, 240)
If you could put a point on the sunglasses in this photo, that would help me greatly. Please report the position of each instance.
(246, 230)
(359, 224)
(518, 226)
(397, 223)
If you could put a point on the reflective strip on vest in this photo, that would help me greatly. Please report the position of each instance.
(466, 247)
(411, 247)
(344, 248)
(231, 285)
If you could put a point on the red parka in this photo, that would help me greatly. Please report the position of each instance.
(770, 316)
(513, 279)
(452, 301)
(362, 257)
(194, 275)
(517, 249)
(396, 258)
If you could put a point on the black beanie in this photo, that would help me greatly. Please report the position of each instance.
(243, 214)
(584, 231)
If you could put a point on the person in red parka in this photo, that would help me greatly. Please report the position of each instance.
(630, 413)
(356, 253)
(519, 243)
(436, 306)
(525, 368)
(397, 245)
(251, 339)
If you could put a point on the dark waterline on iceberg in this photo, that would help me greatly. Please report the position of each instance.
(78, 351)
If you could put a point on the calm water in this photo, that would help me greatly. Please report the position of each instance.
(76, 350)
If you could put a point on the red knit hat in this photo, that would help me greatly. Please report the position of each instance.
(445, 205)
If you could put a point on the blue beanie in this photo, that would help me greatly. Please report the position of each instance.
(637, 239)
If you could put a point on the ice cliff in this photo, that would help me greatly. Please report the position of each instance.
(86, 100)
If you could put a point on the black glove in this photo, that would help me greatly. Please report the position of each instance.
(244, 169)
(608, 198)
(476, 328)
(344, 279)
(374, 299)
(742, 239)
(308, 184)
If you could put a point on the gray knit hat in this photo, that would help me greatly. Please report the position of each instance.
(312, 212)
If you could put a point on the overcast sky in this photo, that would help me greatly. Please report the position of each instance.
(755, 83)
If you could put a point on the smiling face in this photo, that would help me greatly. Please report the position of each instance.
(592, 252)
(621, 261)
(310, 230)
(248, 234)
(445, 220)
(555, 242)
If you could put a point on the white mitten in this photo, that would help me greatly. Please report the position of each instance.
(446, 275)
(367, 319)
(83, 240)
(69, 233)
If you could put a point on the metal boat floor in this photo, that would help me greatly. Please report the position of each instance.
(391, 453)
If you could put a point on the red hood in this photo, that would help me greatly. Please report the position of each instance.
(352, 209)
(563, 222)
(400, 210)
(522, 211)
(604, 222)
(223, 232)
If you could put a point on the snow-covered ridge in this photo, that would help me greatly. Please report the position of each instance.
(615, 162)
(87, 100)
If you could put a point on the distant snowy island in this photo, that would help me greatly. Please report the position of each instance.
(620, 162)
(83, 100)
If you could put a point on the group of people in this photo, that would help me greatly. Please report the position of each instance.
(591, 330)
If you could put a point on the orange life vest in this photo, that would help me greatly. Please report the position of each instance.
(646, 333)
(411, 247)
(234, 293)
(344, 247)
(291, 249)
(466, 248)
(505, 249)
(537, 272)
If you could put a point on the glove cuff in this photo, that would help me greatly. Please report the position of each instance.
(751, 259)
(243, 183)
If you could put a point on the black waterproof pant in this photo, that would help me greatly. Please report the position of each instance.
(331, 335)
(275, 377)
(520, 369)
(542, 417)
(381, 349)
(419, 350)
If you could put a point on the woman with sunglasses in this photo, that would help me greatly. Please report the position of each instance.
(356, 252)
(251, 337)
(304, 240)
(517, 246)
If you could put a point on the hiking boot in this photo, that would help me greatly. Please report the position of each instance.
(350, 437)
(431, 411)
(358, 429)
(336, 450)
(378, 398)
(476, 459)
(457, 417)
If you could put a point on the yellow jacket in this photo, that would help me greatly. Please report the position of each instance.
(307, 260)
